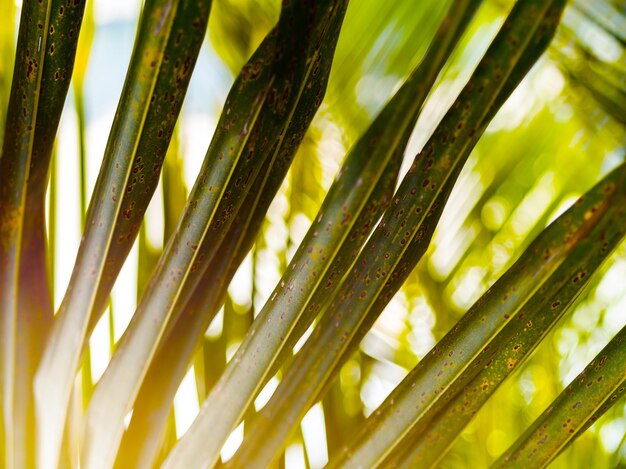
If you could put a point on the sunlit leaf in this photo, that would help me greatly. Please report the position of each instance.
(260, 115)
(43, 67)
(581, 404)
(401, 237)
(158, 76)
(436, 427)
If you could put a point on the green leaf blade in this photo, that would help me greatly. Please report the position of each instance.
(35, 308)
(248, 129)
(93, 266)
(43, 67)
(575, 409)
(439, 419)
(381, 262)
(141, 441)
(516, 341)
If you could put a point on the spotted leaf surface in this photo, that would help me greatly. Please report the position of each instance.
(44, 61)
(591, 394)
(141, 441)
(158, 75)
(436, 427)
(404, 226)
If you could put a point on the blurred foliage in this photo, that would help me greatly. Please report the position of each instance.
(237, 27)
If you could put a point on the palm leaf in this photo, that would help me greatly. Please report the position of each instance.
(386, 260)
(436, 428)
(344, 222)
(170, 364)
(234, 162)
(121, 196)
(366, 293)
(44, 60)
(591, 394)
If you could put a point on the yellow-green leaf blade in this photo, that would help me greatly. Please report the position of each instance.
(389, 256)
(596, 388)
(253, 120)
(55, 376)
(516, 341)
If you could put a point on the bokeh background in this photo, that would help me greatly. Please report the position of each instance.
(562, 129)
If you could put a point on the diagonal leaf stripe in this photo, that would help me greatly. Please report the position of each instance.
(408, 100)
(137, 143)
(233, 161)
(141, 441)
(540, 41)
(345, 220)
(591, 394)
(533, 268)
(270, 375)
(382, 266)
(435, 429)
(323, 42)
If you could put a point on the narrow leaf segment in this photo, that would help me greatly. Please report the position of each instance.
(345, 221)
(142, 440)
(591, 394)
(44, 61)
(402, 236)
(435, 429)
(158, 75)
(248, 130)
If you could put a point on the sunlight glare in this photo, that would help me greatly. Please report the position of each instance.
(232, 443)
(124, 294)
(67, 203)
(314, 435)
(294, 457)
(99, 347)
(266, 393)
(186, 404)
(214, 331)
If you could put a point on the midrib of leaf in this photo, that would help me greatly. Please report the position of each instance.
(180, 56)
(103, 418)
(99, 442)
(53, 382)
(410, 391)
(398, 259)
(319, 356)
(12, 199)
